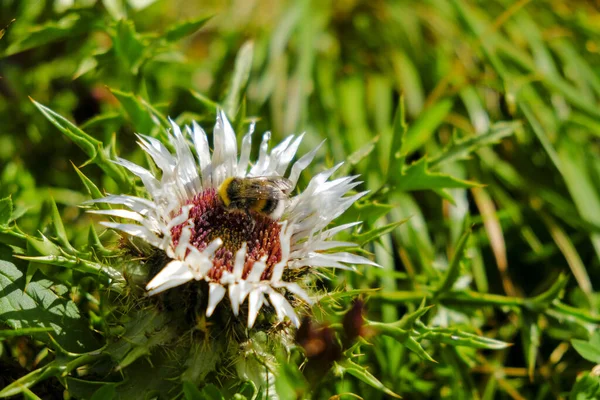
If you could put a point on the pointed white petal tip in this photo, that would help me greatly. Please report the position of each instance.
(173, 274)
(126, 214)
(296, 290)
(255, 303)
(235, 298)
(216, 292)
(283, 308)
(257, 270)
(238, 266)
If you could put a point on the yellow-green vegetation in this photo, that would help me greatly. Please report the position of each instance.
(474, 125)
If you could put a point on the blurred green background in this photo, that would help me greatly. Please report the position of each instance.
(503, 93)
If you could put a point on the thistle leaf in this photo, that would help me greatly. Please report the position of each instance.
(360, 372)
(185, 28)
(418, 177)
(38, 306)
(92, 147)
(6, 210)
(590, 350)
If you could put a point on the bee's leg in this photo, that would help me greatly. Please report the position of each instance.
(252, 221)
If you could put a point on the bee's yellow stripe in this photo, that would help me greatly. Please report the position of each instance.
(259, 205)
(223, 191)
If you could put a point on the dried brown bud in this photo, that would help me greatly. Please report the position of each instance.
(354, 321)
(320, 346)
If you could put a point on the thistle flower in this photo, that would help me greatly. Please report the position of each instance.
(240, 254)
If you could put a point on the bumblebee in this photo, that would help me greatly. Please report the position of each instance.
(266, 195)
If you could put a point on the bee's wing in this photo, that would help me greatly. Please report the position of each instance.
(281, 183)
(268, 187)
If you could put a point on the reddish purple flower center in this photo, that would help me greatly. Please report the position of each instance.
(212, 220)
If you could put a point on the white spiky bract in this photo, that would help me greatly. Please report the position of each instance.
(304, 233)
